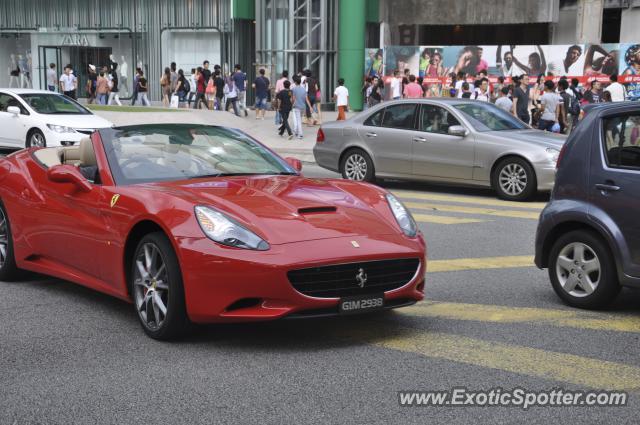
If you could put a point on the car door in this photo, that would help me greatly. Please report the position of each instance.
(436, 153)
(614, 181)
(13, 127)
(68, 225)
(387, 133)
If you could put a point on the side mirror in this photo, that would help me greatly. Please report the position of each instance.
(13, 110)
(295, 163)
(69, 174)
(458, 130)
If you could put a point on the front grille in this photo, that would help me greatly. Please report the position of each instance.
(342, 280)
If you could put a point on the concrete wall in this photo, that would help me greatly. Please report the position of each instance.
(630, 27)
(564, 32)
(467, 12)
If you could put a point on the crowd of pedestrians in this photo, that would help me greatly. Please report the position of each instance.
(544, 104)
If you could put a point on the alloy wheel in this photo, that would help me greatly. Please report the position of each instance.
(151, 286)
(37, 140)
(513, 179)
(578, 269)
(355, 167)
(4, 238)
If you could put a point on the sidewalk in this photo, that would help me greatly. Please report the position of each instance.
(264, 131)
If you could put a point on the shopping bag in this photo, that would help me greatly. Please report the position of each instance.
(175, 100)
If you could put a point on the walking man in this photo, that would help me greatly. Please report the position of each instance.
(341, 97)
(261, 86)
(52, 77)
(300, 102)
(285, 98)
(240, 79)
(68, 83)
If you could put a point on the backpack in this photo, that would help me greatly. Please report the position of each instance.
(186, 86)
(574, 105)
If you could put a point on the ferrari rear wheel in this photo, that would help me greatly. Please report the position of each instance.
(158, 293)
(8, 269)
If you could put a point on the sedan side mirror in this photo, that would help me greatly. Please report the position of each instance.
(13, 110)
(458, 130)
(69, 174)
(295, 163)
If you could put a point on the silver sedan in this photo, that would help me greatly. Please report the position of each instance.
(442, 140)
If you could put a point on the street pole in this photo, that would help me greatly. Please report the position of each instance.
(351, 32)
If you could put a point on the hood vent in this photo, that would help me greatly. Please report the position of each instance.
(317, 210)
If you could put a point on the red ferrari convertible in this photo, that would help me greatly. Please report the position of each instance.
(204, 224)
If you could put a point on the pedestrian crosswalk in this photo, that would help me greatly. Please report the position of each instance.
(436, 208)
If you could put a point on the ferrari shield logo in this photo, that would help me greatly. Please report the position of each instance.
(114, 200)
(355, 244)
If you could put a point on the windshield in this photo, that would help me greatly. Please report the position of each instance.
(176, 152)
(484, 116)
(44, 103)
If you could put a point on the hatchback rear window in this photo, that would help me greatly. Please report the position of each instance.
(622, 141)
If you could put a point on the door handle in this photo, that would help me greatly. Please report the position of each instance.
(419, 139)
(607, 187)
(371, 134)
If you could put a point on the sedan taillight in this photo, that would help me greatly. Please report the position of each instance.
(320, 136)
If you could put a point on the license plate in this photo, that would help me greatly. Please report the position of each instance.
(360, 303)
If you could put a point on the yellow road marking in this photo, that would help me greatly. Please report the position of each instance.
(473, 210)
(440, 219)
(434, 266)
(555, 366)
(470, 200)
(538, 316)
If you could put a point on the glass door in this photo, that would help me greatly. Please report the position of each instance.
(50, 55)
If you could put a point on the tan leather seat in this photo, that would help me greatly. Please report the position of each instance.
(87, 154)
(70, 155)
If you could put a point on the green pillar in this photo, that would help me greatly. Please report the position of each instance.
(351, 32)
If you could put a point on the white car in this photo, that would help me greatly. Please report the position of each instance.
(43, 118)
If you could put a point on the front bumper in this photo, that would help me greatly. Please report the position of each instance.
(244, 285)
(55, 139)
(545, 175)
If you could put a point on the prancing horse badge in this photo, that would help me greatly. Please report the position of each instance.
(114, 200)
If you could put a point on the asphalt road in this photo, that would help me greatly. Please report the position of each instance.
(69, 355)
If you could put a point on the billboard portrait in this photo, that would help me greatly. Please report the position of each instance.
(431, 62)
(566, 60)
(373, 62)
(630, 67)
(401, 58)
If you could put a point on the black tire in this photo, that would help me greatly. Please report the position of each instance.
(519, 166)
(175, 322)
(607, 287)
(8, 269)
(353, 156)
(35, 133)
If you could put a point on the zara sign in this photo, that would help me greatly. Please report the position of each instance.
(75, 40)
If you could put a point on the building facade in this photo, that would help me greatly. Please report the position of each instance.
(149, 34)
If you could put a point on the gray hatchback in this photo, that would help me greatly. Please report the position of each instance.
(589, 233)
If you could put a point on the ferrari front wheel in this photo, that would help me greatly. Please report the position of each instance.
(8, 269)
(158, 293)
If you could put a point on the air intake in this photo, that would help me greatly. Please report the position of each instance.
(317, 210)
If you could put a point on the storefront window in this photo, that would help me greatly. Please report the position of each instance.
(16, 60)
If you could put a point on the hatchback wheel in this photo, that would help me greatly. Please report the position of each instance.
(582, 270)
(357, 165)
(157, 288)
(36, 139)
(514, 179)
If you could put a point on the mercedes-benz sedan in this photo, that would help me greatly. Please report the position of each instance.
(442, 140)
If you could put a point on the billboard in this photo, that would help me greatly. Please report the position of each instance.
(585, 62)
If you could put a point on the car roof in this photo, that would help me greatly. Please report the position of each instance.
(26, 91)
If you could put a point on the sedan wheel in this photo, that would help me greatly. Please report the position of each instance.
(582, 271)
(36, 140)
(514, 179)
(357, 165)
(157, 288)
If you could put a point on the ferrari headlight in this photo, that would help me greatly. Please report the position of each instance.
(553, 154)
(225, 230)
(403, 216)
(61, 128)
